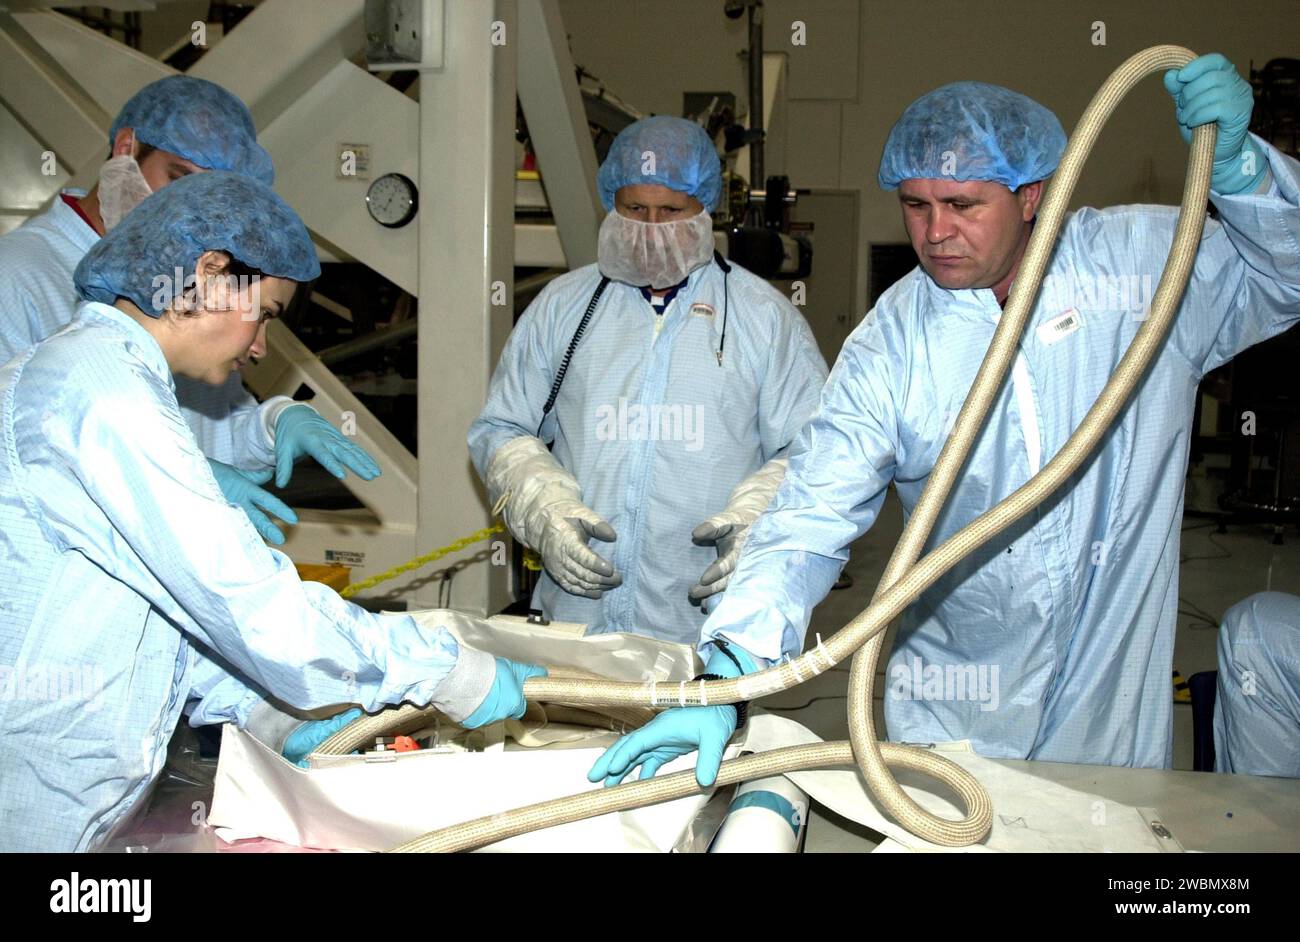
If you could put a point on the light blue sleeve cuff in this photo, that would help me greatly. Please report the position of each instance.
(216, 695)
(767, 607)
(252, 431)
(269, 412)
(719, 663)
(746, 624)
(466, 685)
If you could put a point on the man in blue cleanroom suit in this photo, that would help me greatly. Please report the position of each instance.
(1257, 709)
(131, 585)
(175, 126)
(1069, 615)
(669, 432)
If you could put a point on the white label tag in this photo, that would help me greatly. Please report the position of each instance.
(700, 309)
(1058, 328)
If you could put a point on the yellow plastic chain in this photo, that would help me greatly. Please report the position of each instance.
(418, 561)
(530, 560)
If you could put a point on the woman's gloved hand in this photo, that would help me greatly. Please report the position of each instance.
(505, 699)
(304, 740)
(300, 431)
(1209, 89)
(241, 488)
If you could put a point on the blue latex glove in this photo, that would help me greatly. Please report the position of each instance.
(304, 740)
(300, 431)
(678, 732)
(506, 698)
(241, 488)
(1209, 89)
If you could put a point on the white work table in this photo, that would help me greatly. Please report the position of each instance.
(1204, 810)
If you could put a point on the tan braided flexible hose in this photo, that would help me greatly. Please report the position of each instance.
(626, 715)
(616, 719)
(497, 827)
(905, 577)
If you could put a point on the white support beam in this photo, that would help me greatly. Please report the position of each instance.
(557, 126)
(279, 51)
(106, 70)
(537, 245)
(290, 364)
(282, 49)
(773, 80)
(304, 143)
(25, 186)
(466, 218)
(58, 115)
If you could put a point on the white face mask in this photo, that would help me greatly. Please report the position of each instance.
(658, 254)
(122, 187)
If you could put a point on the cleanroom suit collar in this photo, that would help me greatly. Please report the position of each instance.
(140, 341)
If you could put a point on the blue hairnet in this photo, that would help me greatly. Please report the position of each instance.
(684, 159)
(164, 236)
(197, 120)
(972, 131)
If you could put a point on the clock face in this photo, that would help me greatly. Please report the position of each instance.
(392, 200)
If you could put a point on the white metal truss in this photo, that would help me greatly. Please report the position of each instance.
(292, 62)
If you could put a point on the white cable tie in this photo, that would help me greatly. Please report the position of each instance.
(793, 667)
(704, 697)
(681, 693)
(820, 647)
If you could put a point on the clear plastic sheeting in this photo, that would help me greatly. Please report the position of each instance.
(614, 655)
(172, 818)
